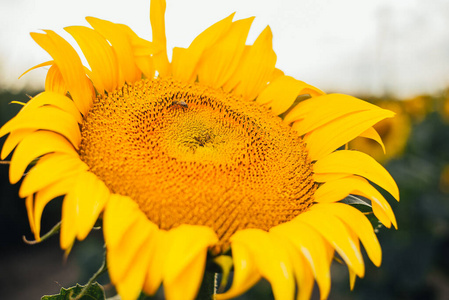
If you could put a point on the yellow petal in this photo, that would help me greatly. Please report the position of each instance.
(329, 176)
(255, 69)
(225, 263)
(359, 163)
(49, 169)
(54, 82)
(44, 64)
(158, 253)
(130, 286)
(335, 232)
(121, 43)
(47, 118)
(72, 70)
(146, 65)
(186, 260)
(358, 223)
(220, 61)
(91, 195)
(29, 203)
(371, 133)
(246, 273)
(282, 92)
(301, 269)
(47, 194)
(276, 73)
(81, 208)
(68, 221)
(340, 131)
(313, 247)
(381, 215)
(317, 111)
(120, 213)
(54, 99)
(352, 278)
(33, 146)
(339, 188)
(336, 190)
(184, 61)
(271, 258)
(143, 51)
(15, 137)
(121, 257)
(99, 55)
(157, 18)
(304, 279)
(381, 208)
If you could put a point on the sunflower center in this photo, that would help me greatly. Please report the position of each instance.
(189, 154)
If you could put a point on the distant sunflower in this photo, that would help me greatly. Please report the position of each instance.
(191, 157)
(394, 132)
(419, 107)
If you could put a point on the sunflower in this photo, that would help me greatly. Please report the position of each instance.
(188, 159)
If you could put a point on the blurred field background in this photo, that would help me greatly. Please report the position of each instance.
(415, 257)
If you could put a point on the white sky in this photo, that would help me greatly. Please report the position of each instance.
(349, 46)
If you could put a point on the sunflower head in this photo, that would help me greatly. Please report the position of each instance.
(190, 157)
(191, 154)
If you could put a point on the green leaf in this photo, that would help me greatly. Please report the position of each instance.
(357, 200)
(93, 292)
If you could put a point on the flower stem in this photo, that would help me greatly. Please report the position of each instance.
(208, 287)
(92, 280)
(52, 231)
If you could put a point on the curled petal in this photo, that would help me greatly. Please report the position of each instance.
(99, 55)
(186, 260)
(33, 146)
(358, 223)
(54, 82)
(256, 68)
(282, 92)
(359, 163)
(372, 134)
(336, 133)
(157, 18)
(336, 190)
(246, 273)
(81, 207)
(14, 138)
(335, 232)
(220, 61)
(317, 111)
(121, 43)
(46, 118)
(312, 247)
(45, 195)
(184, 61)
(54, 99)
(271, 258)
(158, 254)
(72, 70)
(49, 169)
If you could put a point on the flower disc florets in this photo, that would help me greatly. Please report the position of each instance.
(189, 154)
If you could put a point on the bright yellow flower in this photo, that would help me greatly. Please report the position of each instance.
(189, 157)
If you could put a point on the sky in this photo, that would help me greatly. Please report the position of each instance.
(377, 47)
